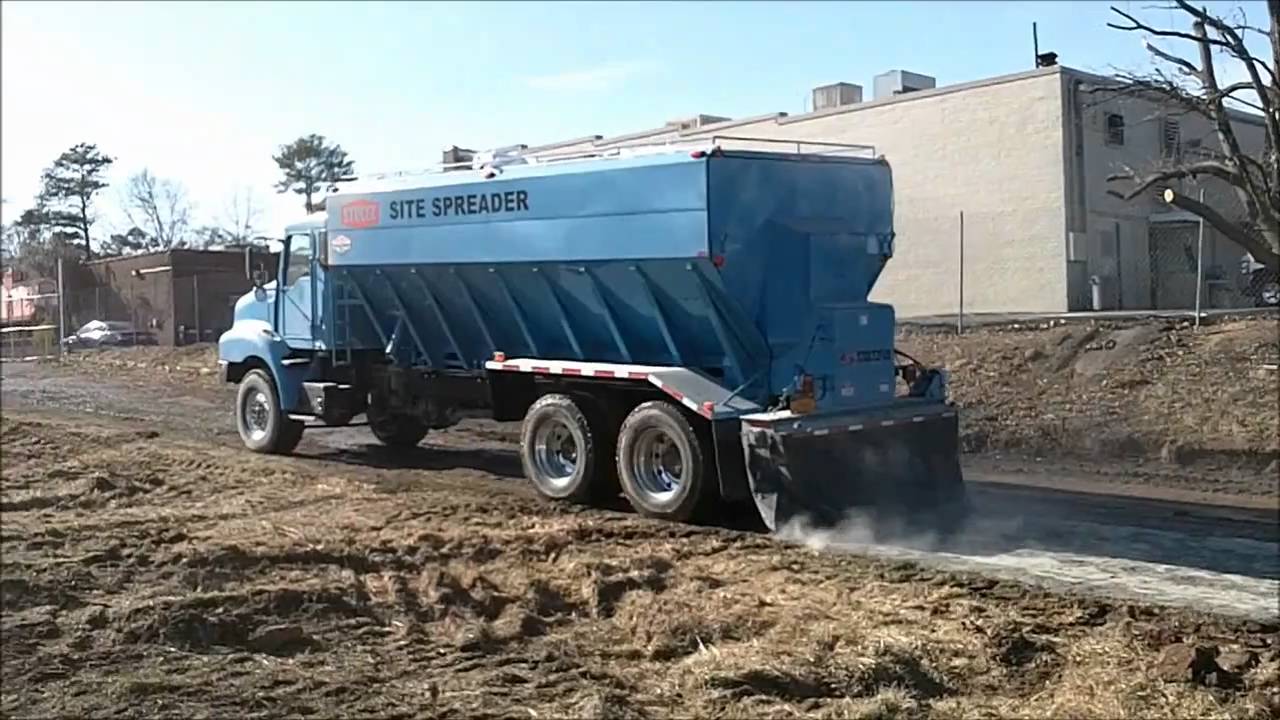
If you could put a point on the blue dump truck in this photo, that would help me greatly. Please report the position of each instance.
(690, 329)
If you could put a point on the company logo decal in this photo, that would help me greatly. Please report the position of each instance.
(360, 214)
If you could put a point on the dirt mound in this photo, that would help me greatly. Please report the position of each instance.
(1152, 390)
(196, 360)
(243, 585)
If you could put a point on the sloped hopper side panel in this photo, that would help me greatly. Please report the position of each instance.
(454, 317)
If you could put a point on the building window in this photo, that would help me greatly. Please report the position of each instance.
(1115, 129)
(1170, 138)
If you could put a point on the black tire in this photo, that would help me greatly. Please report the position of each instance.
(557, 426)
(649, 427)
(395, 430)
(271, 431)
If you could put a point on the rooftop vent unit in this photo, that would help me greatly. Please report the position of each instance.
(695, 122)
(456, 158)
(836, 95)
(899, 82)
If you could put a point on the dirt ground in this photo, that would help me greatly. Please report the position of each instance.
(155, 574)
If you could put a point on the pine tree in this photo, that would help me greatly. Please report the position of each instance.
(308, 163)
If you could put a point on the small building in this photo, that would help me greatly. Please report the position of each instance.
(183, 296)
(27, 300)
(1025, 158)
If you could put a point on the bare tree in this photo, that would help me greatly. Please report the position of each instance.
(160, 208)
(1194, 86)
(241, 215)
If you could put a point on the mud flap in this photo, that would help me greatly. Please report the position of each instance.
(896, 478)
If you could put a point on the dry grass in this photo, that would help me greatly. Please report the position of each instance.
(196, 580)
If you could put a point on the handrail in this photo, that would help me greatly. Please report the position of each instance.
(707, 143)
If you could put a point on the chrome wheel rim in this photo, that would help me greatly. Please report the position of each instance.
(257, 415)
(555, 453)
(657, 464)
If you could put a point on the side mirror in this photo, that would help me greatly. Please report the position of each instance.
(249, 273)
(253, 271)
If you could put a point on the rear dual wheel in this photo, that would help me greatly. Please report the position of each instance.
(562, 443)
(661, 462)
(567, 451)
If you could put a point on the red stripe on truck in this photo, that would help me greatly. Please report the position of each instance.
(603, 373)
(572, 371)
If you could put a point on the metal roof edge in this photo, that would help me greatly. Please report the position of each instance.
(923, 94)
(636, 135)
(563, 143)
(1234, 114)
(154, 253)
(713, 128)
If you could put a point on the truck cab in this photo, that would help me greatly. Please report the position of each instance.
(287, 303)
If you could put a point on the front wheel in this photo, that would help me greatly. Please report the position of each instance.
(661, 463)
(263, 427)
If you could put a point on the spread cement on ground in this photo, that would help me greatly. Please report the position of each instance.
(999, 547)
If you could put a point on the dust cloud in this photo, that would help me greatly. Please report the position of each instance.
(1232, 575)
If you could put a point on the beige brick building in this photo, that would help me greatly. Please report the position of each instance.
(1025, 158)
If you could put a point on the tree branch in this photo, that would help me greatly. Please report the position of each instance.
(1138, 25)
(1187, 67)
(1212, 168)
(1255, 246)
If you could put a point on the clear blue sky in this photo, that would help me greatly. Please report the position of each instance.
(204, 92)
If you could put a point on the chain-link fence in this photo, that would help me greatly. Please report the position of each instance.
(161, 309)
(1194, 266)
(133, 312)
(148, 305)
(204, 305)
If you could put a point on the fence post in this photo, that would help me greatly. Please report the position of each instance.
(1199, 262)
(62, 312)
(960, 314)
(195, 294)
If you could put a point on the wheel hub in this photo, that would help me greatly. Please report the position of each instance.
(555, 453)
(257, 415)
(658, 464)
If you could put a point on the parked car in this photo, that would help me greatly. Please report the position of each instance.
(1259, 283)
(108, 333)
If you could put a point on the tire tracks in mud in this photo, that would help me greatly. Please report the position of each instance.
(245, 585)
(1133, 548)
